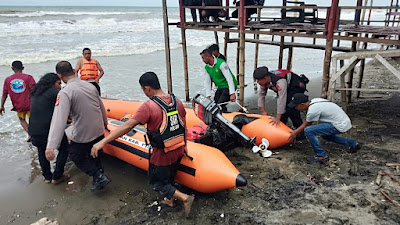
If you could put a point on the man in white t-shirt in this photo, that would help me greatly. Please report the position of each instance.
(333, 120)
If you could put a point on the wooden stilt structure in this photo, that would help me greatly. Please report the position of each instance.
(308, 26)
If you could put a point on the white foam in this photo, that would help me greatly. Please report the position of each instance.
(22, 14)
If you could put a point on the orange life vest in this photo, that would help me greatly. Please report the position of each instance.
(89, 69)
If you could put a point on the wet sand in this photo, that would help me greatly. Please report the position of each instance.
(284, 190)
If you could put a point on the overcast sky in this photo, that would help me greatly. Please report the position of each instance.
(152, 3)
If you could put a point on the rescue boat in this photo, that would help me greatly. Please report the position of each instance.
(260, 128)
(209, 171)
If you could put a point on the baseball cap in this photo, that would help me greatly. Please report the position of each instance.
(298, 98)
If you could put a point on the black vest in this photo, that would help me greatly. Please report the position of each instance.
(171, 128)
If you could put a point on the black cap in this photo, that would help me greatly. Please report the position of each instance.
(298, 98)
(261, 72)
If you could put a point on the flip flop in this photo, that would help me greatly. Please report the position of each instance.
(63, 178)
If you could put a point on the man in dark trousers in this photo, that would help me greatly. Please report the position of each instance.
(333, 121)
(82, 102)
(166, 132)
(217, 71)
(285, 83)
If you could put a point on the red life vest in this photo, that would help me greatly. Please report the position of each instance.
(89, 69)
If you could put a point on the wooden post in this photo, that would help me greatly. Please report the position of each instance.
(226, 33)
(256, 50)
(226, 45)
(361, 73)
(281, 48)
(329, 46)
(237, 59)
(166, 43)
(357, 18)
(332, 86)
(242, 21)
(342, 83)
(216, 38)
(290, 59)
(351, 74)
(185, 63)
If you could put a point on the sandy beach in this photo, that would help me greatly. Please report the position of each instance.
(280, 190)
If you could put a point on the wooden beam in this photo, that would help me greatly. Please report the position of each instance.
(367, 89)
(290, 44)
(332, 85)
(388, 66)
(368, 54)
(346, 68)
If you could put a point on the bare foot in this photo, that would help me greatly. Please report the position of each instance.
(29, 139)
(63, 178)
(169, 202)
(188, 205)
(47, 181)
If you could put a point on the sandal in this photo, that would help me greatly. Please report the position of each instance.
(63, 178)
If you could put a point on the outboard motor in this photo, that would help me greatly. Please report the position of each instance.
(208, 111)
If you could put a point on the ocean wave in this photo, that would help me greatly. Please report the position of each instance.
(111, 47)
(14, 13)
(71, 26)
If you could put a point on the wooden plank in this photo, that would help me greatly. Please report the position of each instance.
(290, 44)
(342, 83)
(368, 54)
(346, 68)
(371, 40)
(388, 66)
(332, 86)
(367, 89)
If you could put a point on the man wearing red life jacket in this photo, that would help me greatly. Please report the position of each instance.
(164, 115)
(90, 69)
(285, 83)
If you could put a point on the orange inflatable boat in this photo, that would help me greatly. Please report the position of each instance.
(259, 128)
(209, 171)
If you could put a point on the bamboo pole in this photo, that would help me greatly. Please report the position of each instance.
(361, 74)
(256, 50)
(226, 45)
(357, 18)
(226, 33)
(329, 45)
(281, 48)
(185, 61)
(342, 83)
(350, 77)
(237, 59)
(216, 38)
(290, 59)
(167, 46)
(242, 21)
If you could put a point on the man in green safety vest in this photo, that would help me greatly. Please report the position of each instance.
(217, 71)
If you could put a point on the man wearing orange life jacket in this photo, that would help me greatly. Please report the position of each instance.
(89, 69)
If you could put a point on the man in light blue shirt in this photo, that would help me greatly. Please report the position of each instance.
(333, 121)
